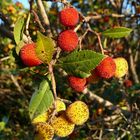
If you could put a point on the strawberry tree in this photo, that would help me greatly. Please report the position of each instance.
(64, 53)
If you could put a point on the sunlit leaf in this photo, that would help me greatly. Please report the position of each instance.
(18, 29)
(80, 63)
(41, 100)
(45, 47)
(118, 32)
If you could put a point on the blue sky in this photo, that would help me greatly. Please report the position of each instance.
(26, 3)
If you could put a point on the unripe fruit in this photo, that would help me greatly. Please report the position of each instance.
(121, 67)
(69, 17)
(68, 40)
(78, 112)
(93, 78)
(107, 68)
(76, 83)
(60, 106)
(28, 55)
(41, 118)
(44, 131)
(62, 126)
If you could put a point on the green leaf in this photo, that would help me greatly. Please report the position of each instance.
(18, 29)
(45, 48)
(117, 32)
(80, 63)
(19, 46)
(41, 100)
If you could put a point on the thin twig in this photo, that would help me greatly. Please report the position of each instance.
(98, 98)
(132, 66)
(113, 15)
(43, 12)
(27, 27)
(44, 16)
(65, 101)
(38, 21)
(4, 58)
(81, 38)
(113, 3)
(54, 90)
(16, 83)
(99, 40)
(53, 80)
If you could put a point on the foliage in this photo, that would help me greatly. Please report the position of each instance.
(25, 92)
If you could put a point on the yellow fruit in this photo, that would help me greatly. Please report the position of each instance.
(121, 67)
(10, 46)
(78, 112)
(62, 126)
(60, 106)
(44, 131)
(41, 118)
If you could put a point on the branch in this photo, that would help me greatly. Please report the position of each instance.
(16, 84)
(38, 21)
(44, 15)
(96, 17)
(98, 98)
(132, 66)
(113, 3)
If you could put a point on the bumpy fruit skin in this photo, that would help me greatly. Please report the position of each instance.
(28, 55)
(69, 17)
(41, 118)
(78, 112)
(68, 40)
(44, 131)
(62, 126)
(76, 83)
(121, 67)
(93, 78)
(60, 106)
(107, 68)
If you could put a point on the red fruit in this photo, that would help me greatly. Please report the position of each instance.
(106, 69)
(68, 40)
(76, 83)
(128, 83)
(69, 17)
(28, 55)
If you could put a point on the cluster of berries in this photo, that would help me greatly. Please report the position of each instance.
(67, 40)
(77, 113)
(108, 68)
(62, 124)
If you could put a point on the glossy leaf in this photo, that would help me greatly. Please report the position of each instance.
(80, 63)
(45, 48)
(41, 100)
(18, 29)
(118, 32)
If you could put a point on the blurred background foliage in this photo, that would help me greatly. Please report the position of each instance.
(18, 83)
